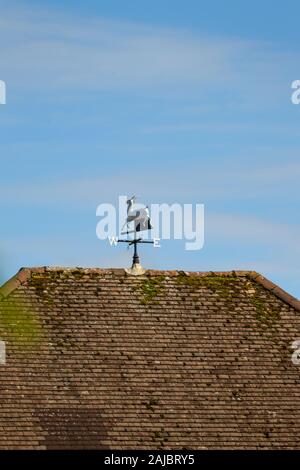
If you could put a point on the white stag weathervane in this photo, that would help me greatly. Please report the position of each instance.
(139, 219)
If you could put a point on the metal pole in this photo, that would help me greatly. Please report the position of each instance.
(136, 259)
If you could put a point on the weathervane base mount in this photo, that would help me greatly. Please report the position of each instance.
(136, 270)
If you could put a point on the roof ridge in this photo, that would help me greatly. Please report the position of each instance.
(19, 278)
(276, 290)
(24, 274)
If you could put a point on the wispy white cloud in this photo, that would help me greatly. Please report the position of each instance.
(49, 50)
(196, 181)
(84, 194)
(221, 127)
(64, 250)
(245, 229)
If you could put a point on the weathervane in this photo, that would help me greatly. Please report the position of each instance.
(140, 219)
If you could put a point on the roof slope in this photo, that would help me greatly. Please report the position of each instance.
(168, 360)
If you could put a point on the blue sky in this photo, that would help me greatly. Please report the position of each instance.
(176, 101)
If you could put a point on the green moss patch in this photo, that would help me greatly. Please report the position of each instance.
(151, 288)
(266, 316)
(221, 285)
(19, 324)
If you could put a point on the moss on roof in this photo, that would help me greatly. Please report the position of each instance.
(166, 360)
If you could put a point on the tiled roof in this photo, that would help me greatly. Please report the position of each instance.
(167, 360)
